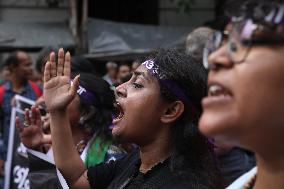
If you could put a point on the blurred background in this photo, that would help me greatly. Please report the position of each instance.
(103, 30)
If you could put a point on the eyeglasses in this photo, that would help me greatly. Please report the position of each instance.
(239, 41)
(42, 111)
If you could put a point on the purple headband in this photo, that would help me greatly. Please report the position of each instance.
(276, 16)
(172, 86)
(88, 96)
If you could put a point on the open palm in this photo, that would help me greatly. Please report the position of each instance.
(58, 92)
(32, 136)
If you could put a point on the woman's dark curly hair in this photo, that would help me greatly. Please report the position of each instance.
(98, 112)
(193, 158)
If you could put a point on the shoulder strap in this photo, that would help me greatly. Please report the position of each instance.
(36, 88)
(2, 91)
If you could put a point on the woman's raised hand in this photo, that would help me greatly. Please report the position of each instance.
(31, 133)
(58, 91)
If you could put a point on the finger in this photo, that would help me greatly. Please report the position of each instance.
(27, 116)
(67, 64)
(38, 118)
(46, 125)
(74, 87)
(38, 121)
(47, 71)
(53, 64)
(60, 62)
(18, 124)
(46, 139)
(33, 115)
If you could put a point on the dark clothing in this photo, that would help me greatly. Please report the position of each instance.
(235, 163)
(125, 174)
(42, 174)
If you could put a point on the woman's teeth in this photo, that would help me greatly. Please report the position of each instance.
(217, 90)
(118, 111)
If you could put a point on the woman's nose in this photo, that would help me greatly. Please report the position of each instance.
(121, 90)
(219, 59)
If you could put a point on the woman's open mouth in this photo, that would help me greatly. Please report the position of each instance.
(218, 90)
(118, 113)
(217, 94)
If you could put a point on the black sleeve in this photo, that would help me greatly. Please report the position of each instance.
(101, 175)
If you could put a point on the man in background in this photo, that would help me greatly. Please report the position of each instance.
(124, 73)
(19, 65)
(110, 76)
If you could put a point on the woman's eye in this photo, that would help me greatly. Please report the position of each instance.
(137, 86)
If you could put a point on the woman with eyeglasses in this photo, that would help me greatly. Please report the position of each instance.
(245, 102)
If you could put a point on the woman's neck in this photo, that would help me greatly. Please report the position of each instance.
(154, 153)
(270, 171)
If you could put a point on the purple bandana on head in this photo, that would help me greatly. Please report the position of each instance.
(169, 84)
(88, 96)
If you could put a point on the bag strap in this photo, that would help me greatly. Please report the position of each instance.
(2, 91)
(36, 88)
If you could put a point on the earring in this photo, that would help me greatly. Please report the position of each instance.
(82, 120)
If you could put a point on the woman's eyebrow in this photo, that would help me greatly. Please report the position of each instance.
(143, 74)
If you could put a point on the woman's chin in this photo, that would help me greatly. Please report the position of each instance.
(211, 125)
(219, 125)
(115, 131)
(205, 127)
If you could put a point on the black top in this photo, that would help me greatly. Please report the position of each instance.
(125, 174)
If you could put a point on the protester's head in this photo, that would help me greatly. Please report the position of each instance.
(123, 72)
(91, 109)
(93, 106)
(111, 68)
(80, 64)
(19, 64)
(162, 102)
(148, 97)
(245, 103)
(196, 40)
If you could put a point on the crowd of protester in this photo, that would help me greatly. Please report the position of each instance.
(116, 75)
(209, 116)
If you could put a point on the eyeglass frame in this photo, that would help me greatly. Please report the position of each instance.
(249, 43)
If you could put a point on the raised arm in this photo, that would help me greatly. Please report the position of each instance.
(58, 94)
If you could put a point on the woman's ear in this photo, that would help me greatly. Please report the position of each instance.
(172, 112)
